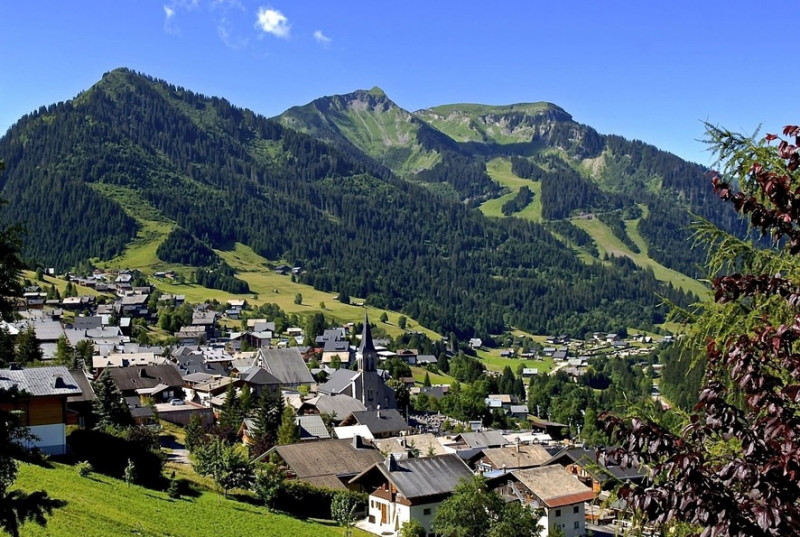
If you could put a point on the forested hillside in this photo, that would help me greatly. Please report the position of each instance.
(580, 171)
(226, 175)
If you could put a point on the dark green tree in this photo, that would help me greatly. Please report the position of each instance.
(427, 380)
(470, 511)
(401, 322)
(194, 434)
(288, 432)
(227, 465)
(65, 354)
(412, 528)
(230, 415)
(6, 347)
(384, 317)
(28, 349)
(110, 408)
(268, 483)
(84, 350)
(474, 511)
(267, 420)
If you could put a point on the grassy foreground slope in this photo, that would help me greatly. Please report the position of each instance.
(100, 506)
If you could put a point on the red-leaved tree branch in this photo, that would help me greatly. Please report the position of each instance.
(734, 470)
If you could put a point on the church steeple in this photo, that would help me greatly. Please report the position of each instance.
(367, 347)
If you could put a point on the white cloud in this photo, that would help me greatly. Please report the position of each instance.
(169, 12)
(321, 38)
(273, 22)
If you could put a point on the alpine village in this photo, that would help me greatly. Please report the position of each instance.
(351, 318)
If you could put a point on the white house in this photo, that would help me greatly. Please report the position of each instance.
(408, 489)
(559, 494)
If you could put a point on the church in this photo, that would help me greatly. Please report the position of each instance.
(366, 384)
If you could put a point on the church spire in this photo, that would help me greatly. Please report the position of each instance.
(367, 347)
(366, 337)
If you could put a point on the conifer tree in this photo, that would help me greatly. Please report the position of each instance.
(28, 350)
(288, 432)
(110, 408)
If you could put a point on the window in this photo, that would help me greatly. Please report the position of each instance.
(558, 512)
(577, 525)
(575, 509)
(426, 511)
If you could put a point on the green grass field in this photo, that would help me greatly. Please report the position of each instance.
(608, 243)
(499, 169)
(493, 362)
(100, 506)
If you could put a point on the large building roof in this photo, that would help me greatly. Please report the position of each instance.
(517, 456)
(379, 422)
(327, 462)
(148, 376)
(421, 477)
(40, 381)
(339, 406)
(554, 486)
(338, 381)
(287, 365)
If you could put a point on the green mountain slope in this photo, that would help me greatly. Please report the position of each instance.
(141, 156)
(568, 168)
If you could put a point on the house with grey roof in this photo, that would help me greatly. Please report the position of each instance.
(381, 423)
(412, 489)
(327, 463)
(337, 406)
(42, 403)
(287, 366)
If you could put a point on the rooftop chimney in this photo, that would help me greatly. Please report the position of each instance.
(14, 366)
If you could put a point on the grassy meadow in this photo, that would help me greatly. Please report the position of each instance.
(100, 506)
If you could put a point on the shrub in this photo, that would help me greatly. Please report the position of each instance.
(84, 468)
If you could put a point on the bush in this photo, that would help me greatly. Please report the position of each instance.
(84, 468)
(174, 490)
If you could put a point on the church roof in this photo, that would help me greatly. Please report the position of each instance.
(367, 345)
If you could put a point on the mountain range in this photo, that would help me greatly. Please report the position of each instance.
(469, 218)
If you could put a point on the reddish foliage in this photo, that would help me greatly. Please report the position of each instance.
(748, 484)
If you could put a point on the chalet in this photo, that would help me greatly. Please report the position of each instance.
(191, 335)
(426, 359)
(122, 360)
(337, 407)
(283, 269)
(157, 382)
(416, 445)
(260, 325)
(327, 463)
(260, 381)
(338, 348)
(583, 464)
(258, 339)
(476, 343)
(42, 402)
(381, 423)
(205, 392)
(409, 356)
(508, 458)
(558, 493)
(286, 365)
(487, 439)
(206, 319)
(408, 490)
(133, 305)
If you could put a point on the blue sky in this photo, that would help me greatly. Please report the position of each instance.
(652, 71)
